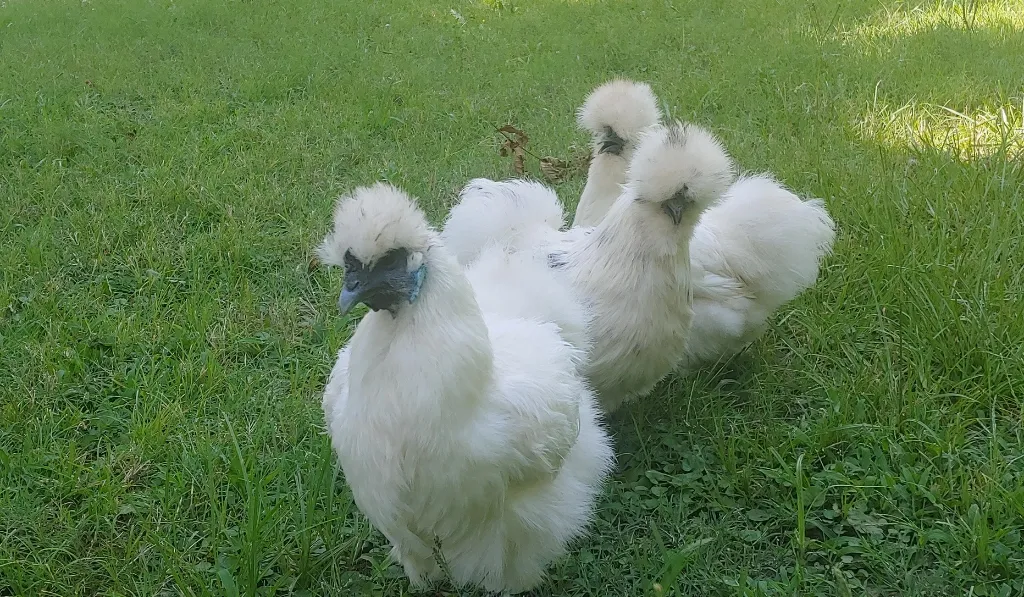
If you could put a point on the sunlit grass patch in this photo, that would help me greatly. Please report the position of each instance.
(906, 19)
(964, 135)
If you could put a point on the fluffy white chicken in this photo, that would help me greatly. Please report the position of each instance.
(466, 426)
(633, 268)
(615, 114)
(752, 252)
(523, 215)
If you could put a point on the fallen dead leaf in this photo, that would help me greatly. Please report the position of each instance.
(514, 145)
(554, 169)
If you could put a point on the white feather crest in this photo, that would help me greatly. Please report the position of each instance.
(373, 220)
(627, 107)
(679, 154)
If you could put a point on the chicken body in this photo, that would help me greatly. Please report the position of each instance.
(755, 250)
(458, 416)
(752, 253)
(632, 269)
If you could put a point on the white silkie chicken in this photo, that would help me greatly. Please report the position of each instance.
(466, 427)
(615, 114)
(523, 216)
(753, 252)
(632, 268)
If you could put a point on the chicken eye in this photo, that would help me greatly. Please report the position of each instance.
(392, 259)
(351, 263)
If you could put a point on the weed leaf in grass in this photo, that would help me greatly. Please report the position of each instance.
(554, 169)
(514, 145)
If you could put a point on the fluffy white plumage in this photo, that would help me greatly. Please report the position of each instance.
(615, 114)
(513, 218)
(461, 416)
(753, 252)
(633, 268)
(515, 284)
(399, 223)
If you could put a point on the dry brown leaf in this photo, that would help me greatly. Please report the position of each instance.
(557, 170)
(554, 169)
(519, 135)
(519, 161)
(514, 145)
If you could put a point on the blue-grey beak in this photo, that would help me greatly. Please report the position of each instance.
(611, 142)
(348, 299)
(678, 203)
(675, 211)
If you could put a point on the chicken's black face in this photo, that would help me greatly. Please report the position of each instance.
(386, 283)
(611, 142)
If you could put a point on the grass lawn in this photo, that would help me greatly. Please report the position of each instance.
(166, 167)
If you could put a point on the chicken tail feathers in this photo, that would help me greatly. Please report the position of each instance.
(512, 212)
